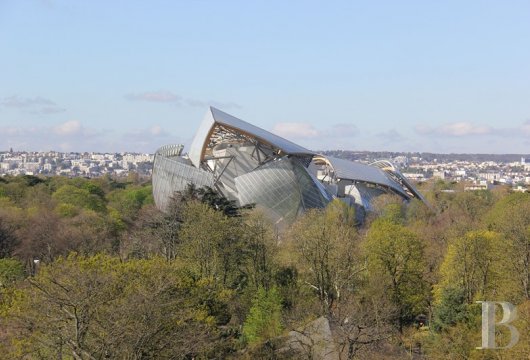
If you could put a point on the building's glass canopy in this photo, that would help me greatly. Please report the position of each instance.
(250, 165)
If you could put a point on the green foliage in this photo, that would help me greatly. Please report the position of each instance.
(264, 319)
(443, 185)
(67, 210)
(129, 201)
(395, 262)
(474, 203)
(286, 280)
(197, 280)
(44, 218)
(210, 197)
(473, 263)
(94, 307)
(258, 250)
(324, 245)
(511, 217)
(389, 207)
(218, 202)
(457, 341)
(94, 189)
(393, 213)
(8, 239)
(452, 308)
(209, 242)
(31, 180)
(15, 191)
(115, 221)
(69, 194)
(11, 270)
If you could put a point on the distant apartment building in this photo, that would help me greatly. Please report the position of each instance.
(439, 174)
(526, 165)
(414, 176)
(489, 176)
(482, 185)
(136, 158)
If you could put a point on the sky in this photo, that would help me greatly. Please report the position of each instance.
(113, 76)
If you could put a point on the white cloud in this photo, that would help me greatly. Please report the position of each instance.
(50, 110)
(14, 131)
(156, 130)
(21, 102)
(295, 130)
(74, 136)
(34, 105)
(525, 128)
(66, 136)
(391, 136)
(306, 131)
(462, 128)
(148, 140)
(164, 96)
(68, 128)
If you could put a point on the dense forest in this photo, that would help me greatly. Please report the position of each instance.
(90, 269)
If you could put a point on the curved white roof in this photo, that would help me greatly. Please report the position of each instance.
(349, 170)
(389, 168)
(215, 116)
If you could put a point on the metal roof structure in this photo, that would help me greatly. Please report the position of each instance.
(358, 172)
(250, 165)
(216, 118)
(399, 178)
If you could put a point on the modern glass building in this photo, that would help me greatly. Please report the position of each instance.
(253, 166)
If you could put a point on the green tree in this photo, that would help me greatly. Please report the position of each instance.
(82, 198)
(264, 319)
(15, 190)
(473, 263)
(11, 270)
(511, 217)
(94, 189)
(452, 308)
(39, 237)
(130, 200)
(101, 307)
(8, 239)
(218, 202)
(210, 242)
(89, 232)
(153, 233)
(395, 263)
(259, 249)
(324, 242)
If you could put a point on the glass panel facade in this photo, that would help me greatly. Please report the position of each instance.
(282, 186)
(314, 195)
(272, 185)
(170, 175)
(252, 166)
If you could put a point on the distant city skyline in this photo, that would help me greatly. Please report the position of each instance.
(478, 171)
(442, 77)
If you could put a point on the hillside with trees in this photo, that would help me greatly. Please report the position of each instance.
(90, 269)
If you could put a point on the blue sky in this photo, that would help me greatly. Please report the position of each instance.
(438, 76)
